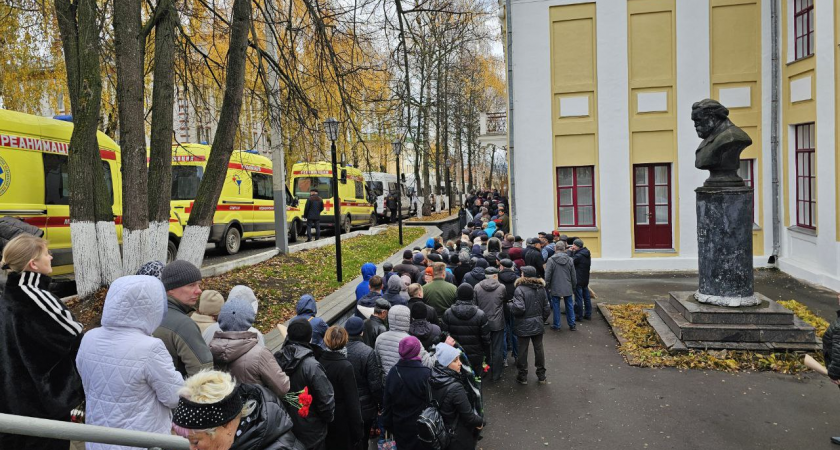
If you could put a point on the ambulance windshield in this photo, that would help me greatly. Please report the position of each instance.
(304, 184)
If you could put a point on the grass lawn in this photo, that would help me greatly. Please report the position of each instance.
(280, 281)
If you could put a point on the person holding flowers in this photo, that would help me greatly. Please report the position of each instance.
(306, 374)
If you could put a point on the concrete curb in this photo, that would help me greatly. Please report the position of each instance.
(424, 223)
(333, 307)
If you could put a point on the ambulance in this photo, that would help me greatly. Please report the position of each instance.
(34, 187)
(356, 208)
(246, 206)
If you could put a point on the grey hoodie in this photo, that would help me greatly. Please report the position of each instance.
(560, 275)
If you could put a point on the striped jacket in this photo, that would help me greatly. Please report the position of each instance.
(39, 339)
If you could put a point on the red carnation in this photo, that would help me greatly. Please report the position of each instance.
(305, 398)
(303, 411)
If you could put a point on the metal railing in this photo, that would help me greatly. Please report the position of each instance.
(52, 429)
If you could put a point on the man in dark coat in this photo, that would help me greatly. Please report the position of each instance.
(427, 333)
(417, 294)
(508, 279)
(530, 310)
(298, 361)
(561, 281)
(476, 275)
(583, 263)
(467, 324)
(375, 325)
(368, 375)
(407, 267)
(406, 395)
(391, 202)
(463, 268)
(533, 256)
(312, 214)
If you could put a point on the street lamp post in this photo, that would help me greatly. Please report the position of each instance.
(397, 148)
(331, 128)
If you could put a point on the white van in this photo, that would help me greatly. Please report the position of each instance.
(380, 185)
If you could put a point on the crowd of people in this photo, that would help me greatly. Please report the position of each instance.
(170, 357)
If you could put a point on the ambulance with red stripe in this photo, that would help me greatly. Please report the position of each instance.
(246, 205)
(34, 178)
(34, 187)
(356, 207)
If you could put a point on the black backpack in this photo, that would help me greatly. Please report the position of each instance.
(430, 426)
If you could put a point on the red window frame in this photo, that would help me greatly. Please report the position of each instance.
(575, 194)
(749, 177)
(806, 177)
(803, 28)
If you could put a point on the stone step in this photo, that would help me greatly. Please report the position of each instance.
(767, 313)
(797, 332)
(668, 338)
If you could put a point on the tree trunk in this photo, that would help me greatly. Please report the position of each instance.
(96, 256)
(160, 153)
(201, 218)
(438, 101)
(129, 46)
(469, 145)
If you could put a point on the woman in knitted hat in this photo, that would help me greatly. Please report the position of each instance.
(448, 389)
(345, 433)
(235, 350)
(216, 413)
(406, 395)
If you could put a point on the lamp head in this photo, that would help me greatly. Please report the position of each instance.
(331, 129)
(396, 146)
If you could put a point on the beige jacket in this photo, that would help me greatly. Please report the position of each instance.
(203, 321)
(237, 352)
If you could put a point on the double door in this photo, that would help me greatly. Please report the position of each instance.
(652, 206)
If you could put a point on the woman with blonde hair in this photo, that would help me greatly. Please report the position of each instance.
(39, 339)
(345, 433)
(214, 413)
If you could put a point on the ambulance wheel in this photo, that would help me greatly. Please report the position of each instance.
(373, 221)
(232, 241)
(346, 225)
(171, 252)
(293, 231)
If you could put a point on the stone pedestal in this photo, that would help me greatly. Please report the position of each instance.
(725, 250)
(685, 324)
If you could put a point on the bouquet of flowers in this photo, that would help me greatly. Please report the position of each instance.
(301, 400)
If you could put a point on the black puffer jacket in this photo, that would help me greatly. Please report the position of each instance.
(459, 415)
(467, 324)
(269, 427)
(426, 332)
(583, 263)
(431, 312)
(831, 349)
(367, 372)
(530, 307)
(533, 257)
(299, 363)
(373, 328)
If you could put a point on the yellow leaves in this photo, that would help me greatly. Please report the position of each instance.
(802, 311)
(643, 347)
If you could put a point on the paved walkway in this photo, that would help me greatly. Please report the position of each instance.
(596, 401)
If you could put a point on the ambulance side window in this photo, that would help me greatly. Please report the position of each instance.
(360, 189)
(263, 186)
(57, 184)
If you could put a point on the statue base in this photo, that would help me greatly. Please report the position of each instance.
(725, 246)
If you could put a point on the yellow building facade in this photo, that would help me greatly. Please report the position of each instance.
(603, 138)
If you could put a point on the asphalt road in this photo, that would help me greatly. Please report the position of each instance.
(596, 401)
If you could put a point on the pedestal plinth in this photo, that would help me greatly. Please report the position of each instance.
(725, 250)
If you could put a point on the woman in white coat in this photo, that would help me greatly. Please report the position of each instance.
(129, 379)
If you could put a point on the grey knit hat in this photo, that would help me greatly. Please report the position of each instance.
(179, 273)
(236, 315)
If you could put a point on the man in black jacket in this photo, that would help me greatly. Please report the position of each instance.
(299, 363)
(312, 214)
(468, 325)
(533, 256)
(530, 309)
(375, 325)
(583, 263)
(367, 371)
(508, 278)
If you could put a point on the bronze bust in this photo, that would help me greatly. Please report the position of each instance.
(723, 142)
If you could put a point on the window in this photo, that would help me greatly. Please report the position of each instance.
(375, 187)
(803, 28)
(360, 189)
(746, 171)
(806, 177)
(57, 180)
(576, 196)
(304, 184)
(185, 181)
(263, 186)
